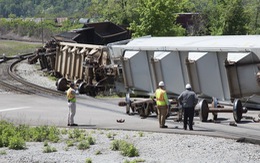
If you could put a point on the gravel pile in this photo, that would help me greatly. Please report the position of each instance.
(152, 147)
(33, 73)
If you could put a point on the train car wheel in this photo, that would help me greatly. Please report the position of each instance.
(237, 110)
(82, 88)
(62, 84)
(204, 110)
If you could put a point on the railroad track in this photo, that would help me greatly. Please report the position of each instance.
(11, 82)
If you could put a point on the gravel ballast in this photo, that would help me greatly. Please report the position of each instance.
(152, 147)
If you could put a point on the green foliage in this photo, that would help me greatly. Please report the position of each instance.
(88, 160)
(53, 134)
(48, 8)
(43, 29)
(75, 133)
(141, 134)
(83, 145)
(111, 135)
(69, 143)
(145, 17)
(118, 12)
(126, 148)
(49, 149)
(236, 19)
(45, 143)
(3, 152)
(91, 140)
(43, 133)
(11, 48)
(16, 142)
(224, 17)
(64, 131)
(157, 18)
(98, 152)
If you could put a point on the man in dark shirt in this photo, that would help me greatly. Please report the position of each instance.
(188, 100)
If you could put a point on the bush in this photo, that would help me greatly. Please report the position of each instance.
(45, 144)
(91, 140)
(39, 134)
(83, 145)
(42, 133)
(53, 134)
(111, 135)
(7, 133)
(16, 143)
(49, 149)
(75, 133)
(69, 143)
(126, 149)
(88, 160)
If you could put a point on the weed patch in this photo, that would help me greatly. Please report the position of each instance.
(126, 148)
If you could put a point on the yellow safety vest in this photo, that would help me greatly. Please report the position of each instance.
(70, 95)
(161, 97)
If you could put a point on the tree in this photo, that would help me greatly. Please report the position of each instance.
(157, 18)
(116, 11)
(236, 20)
(223, 17)
(252, 9)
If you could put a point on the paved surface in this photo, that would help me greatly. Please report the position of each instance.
(103, 113)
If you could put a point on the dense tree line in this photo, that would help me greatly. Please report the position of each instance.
(149, 17)
(47, 8)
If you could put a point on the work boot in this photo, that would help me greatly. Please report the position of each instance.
(164, 126)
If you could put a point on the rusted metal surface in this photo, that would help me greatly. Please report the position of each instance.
(89, 64)
(82, 55)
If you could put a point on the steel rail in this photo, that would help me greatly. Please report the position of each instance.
(28, 87)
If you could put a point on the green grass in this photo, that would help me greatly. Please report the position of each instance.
(11, 48)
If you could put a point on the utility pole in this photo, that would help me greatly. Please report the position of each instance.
(42, 31)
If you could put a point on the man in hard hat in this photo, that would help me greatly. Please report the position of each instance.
(162, 103)
(188, 100)
(71, 96)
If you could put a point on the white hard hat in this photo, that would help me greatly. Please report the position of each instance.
(188, 86)
(161, 84)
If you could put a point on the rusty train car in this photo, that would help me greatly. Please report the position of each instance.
(81, 56)
(89, 66)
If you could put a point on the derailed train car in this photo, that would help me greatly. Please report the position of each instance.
(88, 66)
(221, 69)
(81, 56)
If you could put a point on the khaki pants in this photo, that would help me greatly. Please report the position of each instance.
(162, 113)
(72, 112)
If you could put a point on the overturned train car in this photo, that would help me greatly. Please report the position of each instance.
(226, 68)
(89, 66)
(81, 56)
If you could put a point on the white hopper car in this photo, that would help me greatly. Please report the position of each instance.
(226, 68)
